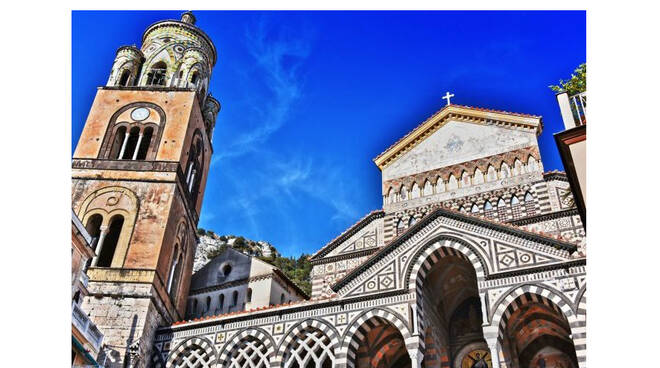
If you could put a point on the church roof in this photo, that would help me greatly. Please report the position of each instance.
(361, 223)
(435, 121)
(539, 237)
(251, 312)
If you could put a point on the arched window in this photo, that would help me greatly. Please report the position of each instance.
(428, 188)
(505, 172)
(282, 298)
(415, 193)
(452, 183)
(108, 244)
(516, 208)
(475, 208)
(391, 196)
(403, 193)
(478, 177)
(492, 173)
(208, 304)
(226, 270)
(194, 168)
(462, 209)
(412, 221)
(248, 296)
(234, 298)
(125, 75)
(501, 209)
(221, 302)
(465, 180)
(489, 211)
(439, 185)
(400, 227)
(518, 168)
(175, 274)
(144, 141)
(118, 143)
(156, 75)
(532, 164)
(128, 147)
(93, 226)
(529, 204)
(194, 77)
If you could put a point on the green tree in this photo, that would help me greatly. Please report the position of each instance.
(576, 84)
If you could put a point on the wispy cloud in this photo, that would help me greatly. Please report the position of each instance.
(278, 56)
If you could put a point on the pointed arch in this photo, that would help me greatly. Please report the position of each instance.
(516, 207)
(474, 208)
(452, 182)
(403, 193)
(466, 180)
(428, 188)
(439, 185)
(390, 197)
(491, 173)
(501, 209)
(415, 192)
(532, 164)
(518, 167)
(505, 171)
(478, 177)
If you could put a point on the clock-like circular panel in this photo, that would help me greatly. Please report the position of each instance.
(140, 114)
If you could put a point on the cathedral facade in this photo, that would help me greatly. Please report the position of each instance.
(476, 259)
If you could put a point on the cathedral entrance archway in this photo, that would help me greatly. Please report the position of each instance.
(534, 332)
(449, 306)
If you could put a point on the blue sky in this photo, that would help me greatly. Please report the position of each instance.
(310, 98)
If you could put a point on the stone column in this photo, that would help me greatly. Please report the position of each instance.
(123, 145)
(99, 244)
(137, 146)
(494, 353)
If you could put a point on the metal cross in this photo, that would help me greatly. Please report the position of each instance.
(447, 97)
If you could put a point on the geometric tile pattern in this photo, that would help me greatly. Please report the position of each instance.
(195, 352)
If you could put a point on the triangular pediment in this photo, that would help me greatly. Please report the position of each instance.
(495, 249)
(458, 134)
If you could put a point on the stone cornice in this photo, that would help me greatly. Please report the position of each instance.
(544, 217)
(341, 257)
(459, 113)
(347, 234)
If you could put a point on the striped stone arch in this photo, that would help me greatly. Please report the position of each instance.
(526, 294)
(362, 324)
(425, 258)
(297, 332)
(581, 302)
(251, 347)
(197, 352)
(436, 249)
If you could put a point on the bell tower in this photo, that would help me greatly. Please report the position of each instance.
(138, 179)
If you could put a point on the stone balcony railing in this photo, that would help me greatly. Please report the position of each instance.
(86, 327)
